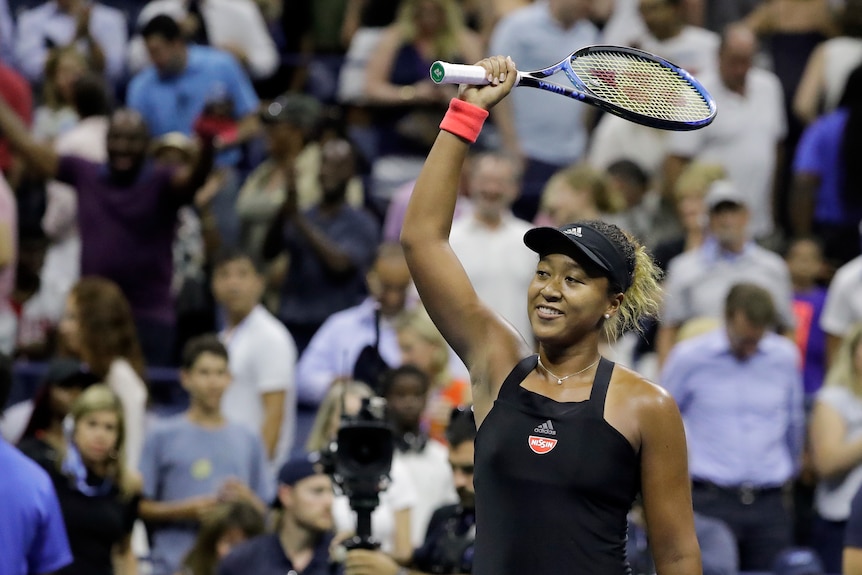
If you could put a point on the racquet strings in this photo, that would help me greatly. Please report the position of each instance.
(641, 86)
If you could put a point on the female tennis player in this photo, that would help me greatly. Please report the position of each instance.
(566, 439)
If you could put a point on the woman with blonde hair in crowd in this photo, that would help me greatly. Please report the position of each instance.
(408, 105)
(835, 436)
(221, 530)
(688, 197)
(391, 519)
(423, 346)
(98, 329)
(57, 112)
(98, 493)
(578, 192)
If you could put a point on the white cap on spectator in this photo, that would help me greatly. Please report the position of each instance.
(724, 192)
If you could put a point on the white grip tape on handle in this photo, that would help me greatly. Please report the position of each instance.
(446, 73)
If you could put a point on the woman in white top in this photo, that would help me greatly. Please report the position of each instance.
(390, 521)
(836, 448)
(829, 66)
(57, 112)
(98, 329)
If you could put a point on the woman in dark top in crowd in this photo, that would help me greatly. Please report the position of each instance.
(98, 495)
(397, 80)
(566, 439)
(43, 440)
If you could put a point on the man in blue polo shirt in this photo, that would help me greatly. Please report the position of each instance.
(186, 83)
(32, 534)
(305, 528)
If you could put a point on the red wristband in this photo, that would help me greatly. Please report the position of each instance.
(464, 119)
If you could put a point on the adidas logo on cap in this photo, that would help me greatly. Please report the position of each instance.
(546, 428)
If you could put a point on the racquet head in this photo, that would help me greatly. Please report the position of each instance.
(641, 87)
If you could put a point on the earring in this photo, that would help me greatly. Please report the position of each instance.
(607, 316)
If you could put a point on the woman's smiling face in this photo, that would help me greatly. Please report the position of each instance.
(565, 298)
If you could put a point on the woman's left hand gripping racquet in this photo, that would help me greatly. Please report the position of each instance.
(630, 83)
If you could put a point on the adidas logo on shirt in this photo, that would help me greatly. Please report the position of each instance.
(546, 428)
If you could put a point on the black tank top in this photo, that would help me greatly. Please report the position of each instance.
(554, 483)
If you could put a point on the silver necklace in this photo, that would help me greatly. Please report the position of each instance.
(559, 379)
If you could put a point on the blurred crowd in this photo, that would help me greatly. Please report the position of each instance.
(200, 206)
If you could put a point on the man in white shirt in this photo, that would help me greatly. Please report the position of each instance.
(490, 241)
(843, 306)
(747, 136)
(262, 356)
(91, 25)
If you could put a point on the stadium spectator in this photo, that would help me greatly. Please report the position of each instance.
(543, 129)
(194, 461)
(126, 214)
(98, 493)
(747, 139)
(697, 281)
(262, 356)
(98, 29)
(330, 245)
(357, 341)
(304, 532)
(739, 390)
(489, 241)
(234, 26)
(826, 177)
(188, 87)
(32, 533)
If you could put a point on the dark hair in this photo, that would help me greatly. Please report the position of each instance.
(752, 301)
(391, 376)
(91, 96)
(796, 240)
(162, 26)
(5, 380)
(199, 345)
(231, 254)
(462, 427)
(851, 144)
(629, 171)
(201, 558)
(850, 19)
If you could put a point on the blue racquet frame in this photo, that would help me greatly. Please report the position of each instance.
(445, 73)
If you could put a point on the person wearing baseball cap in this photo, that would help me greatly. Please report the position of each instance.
(568, 439)
(305, 527)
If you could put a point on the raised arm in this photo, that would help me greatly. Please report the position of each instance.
(41, 158)
(440, 279)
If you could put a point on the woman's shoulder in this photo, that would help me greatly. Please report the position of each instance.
(639, 392)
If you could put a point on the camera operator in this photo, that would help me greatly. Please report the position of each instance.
(448, 546)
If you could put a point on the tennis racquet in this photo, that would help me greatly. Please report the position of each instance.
(629, 83)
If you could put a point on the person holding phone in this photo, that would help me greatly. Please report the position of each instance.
(566, 439)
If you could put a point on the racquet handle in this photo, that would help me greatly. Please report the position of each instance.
(446, 73)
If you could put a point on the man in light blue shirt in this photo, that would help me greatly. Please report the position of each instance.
(185, 82)
(333, 351)
(548, 131)
(739, 390)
